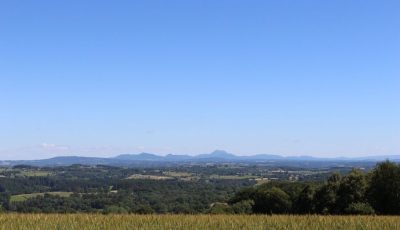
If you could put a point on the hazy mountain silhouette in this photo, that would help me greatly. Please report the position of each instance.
(215, 156)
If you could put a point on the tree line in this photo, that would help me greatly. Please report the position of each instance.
(119, 196)
(106, 189)
(376, 192)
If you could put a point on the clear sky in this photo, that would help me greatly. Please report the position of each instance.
(100, 78)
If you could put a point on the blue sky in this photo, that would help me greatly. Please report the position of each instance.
(99, 78)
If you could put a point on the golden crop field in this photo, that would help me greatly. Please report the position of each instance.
(228, 222)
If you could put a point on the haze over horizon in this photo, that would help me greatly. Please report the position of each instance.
(218, 154)
(95, 78)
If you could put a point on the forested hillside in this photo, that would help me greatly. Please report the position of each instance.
(214, 189)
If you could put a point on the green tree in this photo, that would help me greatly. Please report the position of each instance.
(326, 197)
(352, 189)
(145, 209)
(305, 201)
(220, 208)
(113, 209)
(244, 194)
(271, 201)
(384, 189)
(243, 207)
(359, 209)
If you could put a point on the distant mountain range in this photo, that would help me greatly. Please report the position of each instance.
(217, 156)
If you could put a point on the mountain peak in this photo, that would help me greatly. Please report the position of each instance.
(217, 154)
(140, 156)
(221, 153)
(146, 154)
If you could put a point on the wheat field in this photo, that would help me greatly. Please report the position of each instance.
(98, 221)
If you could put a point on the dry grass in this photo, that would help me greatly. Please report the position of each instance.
(228, 222)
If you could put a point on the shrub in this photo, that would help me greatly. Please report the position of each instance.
(360, 209)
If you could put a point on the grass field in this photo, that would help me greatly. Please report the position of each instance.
(178, 174)
(149, 177)
(23, 197)
(98, 221)
(33, 173)
(231, 177)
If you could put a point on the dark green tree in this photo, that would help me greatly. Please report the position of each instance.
(326, 197)
(352, 189)
(384, 189)
(359, 209)
(113, 209)
(271, 201)
(305, 201)
(244, 194)
(220, 208)
(243, 207)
